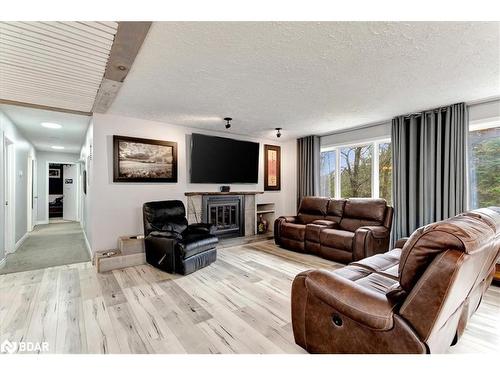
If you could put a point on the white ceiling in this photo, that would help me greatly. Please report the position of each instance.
(307, 78)
(56, 64)
(28, 121)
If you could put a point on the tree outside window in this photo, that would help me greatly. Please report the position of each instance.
(356, 171)
(484, 167)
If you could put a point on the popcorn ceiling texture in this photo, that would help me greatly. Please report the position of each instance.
(306, 77)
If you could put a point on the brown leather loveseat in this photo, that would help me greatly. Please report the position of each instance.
(341, 230)
(416, 298)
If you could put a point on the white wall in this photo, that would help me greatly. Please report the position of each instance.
(23, 150)
(85, 202)
(116, 208)
(484, 111)
(358, 135)
(41, 170)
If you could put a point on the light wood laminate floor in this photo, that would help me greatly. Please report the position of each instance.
(239, 304)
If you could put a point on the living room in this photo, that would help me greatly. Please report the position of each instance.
(250, 187)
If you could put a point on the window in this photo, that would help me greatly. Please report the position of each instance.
(484, 166)
(361, 170)
(356, 171)
(385, 171)
(327, 173)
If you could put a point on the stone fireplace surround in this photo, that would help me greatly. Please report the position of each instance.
(195, 207)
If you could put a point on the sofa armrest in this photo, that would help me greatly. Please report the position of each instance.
(363, 305)
(370, 240)
(201, 228)
(277, 226)
(165, 234)
(376, 231)
(401, 242)
(160, 250)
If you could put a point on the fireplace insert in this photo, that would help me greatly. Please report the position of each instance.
(226, 213)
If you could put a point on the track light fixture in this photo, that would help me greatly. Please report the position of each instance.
(228, 122)
(278, 132)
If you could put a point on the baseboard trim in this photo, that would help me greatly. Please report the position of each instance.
(2, 262)
(42, 222)
(89, 249)
(21, 241)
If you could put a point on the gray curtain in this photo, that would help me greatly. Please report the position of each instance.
(308, 155)
(429, 167)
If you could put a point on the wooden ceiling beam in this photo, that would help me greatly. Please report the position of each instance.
(127, 43)
(45, 107)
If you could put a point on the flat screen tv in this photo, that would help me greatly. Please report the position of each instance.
(221, 160)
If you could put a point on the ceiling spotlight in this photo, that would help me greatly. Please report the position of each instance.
(278, 132)
(58, 147)
(51, 125)
(228, 122)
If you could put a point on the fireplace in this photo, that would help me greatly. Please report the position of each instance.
(226, 212)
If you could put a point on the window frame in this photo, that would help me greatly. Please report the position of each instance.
(375, 185)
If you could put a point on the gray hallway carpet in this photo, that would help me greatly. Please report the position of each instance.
(47, 246)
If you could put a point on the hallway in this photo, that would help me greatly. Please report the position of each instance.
(48, 245)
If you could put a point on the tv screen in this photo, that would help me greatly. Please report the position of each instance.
(223, 160)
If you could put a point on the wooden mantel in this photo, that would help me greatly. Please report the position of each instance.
(191, 193)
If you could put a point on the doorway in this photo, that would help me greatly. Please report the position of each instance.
(31, 204)
(57, 242)
(9, 197)
(62, 192)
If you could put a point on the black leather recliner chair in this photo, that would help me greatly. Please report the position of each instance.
(171, 244)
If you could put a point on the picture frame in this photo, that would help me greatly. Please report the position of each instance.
(144, 160)
(54, 173)
(272, 168)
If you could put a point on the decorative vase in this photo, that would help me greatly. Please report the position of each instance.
(262, 225)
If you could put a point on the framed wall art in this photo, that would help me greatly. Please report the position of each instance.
(54, 173)
(144, 160)
(272, 167)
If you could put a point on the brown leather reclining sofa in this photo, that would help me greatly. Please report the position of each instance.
(416, 298)
(341, 230)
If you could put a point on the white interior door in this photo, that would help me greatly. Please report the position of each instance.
(70, 192)
(29, 197)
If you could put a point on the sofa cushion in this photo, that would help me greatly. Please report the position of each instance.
(353, 272)
(308, 218)
(336, 238)
(335, 210)
(293, 231)
(312, 208)
(385, 264)
(369, 209)
(314, 229)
